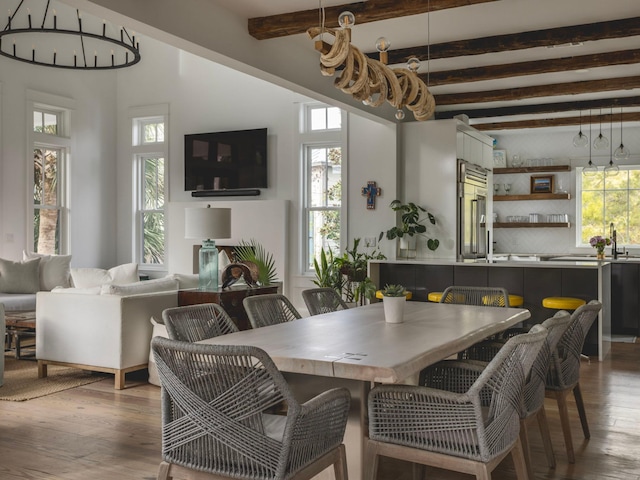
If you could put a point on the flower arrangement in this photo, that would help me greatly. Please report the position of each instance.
(599, 243)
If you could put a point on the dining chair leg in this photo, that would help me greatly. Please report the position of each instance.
(417, 470)
(340, 465)
(517, 454)
(482, 471)
(561, 398)
(371, 459)
(163, 471)
(524, 440)
(543, 424)
(577, 393)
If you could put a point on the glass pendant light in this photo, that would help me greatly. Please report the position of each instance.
(611, 169)
(622, 153)
(580, 140)
(601, 142)
(590, 169)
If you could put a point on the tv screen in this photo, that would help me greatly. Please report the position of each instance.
(225, 160)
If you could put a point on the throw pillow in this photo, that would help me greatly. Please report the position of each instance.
(148, 286)
(54, 270)
(96, 277)
(19, 277)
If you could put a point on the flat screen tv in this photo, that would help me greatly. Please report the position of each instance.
(225, 160)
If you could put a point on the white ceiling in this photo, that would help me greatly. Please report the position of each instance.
(482, 20)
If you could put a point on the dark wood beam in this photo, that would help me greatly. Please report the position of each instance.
(492, 72)
(552, 90)
(556, 122)
(293, 23)
(518, 41)
(542, 108)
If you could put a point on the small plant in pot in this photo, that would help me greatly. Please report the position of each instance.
(411, 224)
(393, 299)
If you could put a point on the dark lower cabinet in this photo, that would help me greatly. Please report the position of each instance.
(625, 301)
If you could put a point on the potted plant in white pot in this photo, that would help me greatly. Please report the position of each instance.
(411, 224)
(393, 299)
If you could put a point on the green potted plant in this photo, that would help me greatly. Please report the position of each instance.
(252, 252)
(393, 298)
(411, 224)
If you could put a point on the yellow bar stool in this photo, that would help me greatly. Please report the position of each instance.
(562, 303)
(379, 295)
(434, 297)
(516, 300)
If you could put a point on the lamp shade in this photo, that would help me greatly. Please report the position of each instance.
(202, 223)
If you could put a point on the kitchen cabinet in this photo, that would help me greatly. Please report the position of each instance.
(625, 298)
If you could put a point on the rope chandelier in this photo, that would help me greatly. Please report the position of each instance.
(37, 34)
(369, 80)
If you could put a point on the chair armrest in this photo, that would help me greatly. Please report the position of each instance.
(452, 375)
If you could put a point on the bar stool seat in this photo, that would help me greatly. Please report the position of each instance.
(516, 300)
(562, 303)
(434, 297)
(379, 294)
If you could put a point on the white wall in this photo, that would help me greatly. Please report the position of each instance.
(92, 164)
(558, 145)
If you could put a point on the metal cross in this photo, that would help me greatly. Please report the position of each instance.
(371, 191)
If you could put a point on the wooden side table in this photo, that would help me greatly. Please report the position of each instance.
(21, 325)
(229, 299)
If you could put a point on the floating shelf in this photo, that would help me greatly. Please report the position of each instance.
(549, 168)
(531, 225)
(532, 196)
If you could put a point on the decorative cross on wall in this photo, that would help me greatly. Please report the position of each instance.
(371, 191)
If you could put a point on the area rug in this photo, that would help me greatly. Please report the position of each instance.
(21, 380)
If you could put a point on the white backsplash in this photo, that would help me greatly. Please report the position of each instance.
(557, 145)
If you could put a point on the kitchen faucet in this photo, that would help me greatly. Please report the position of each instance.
(614, 241)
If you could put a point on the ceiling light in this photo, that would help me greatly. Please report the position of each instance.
(580, 140)
(590, 169)
(622, 153)
(611, 169)
(601, 142)
(42, 36)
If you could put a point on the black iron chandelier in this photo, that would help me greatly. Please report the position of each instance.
(40, 35)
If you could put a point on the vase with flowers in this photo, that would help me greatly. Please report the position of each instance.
(599, 243)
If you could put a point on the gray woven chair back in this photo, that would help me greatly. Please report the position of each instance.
(271, 309)
(480, 296)
(193, 323)
(214, 399)
(564, 371)
(323, 300)
(438, 420)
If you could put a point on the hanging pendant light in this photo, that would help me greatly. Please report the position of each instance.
(622, 153)
(590, 169)
(580, 140)
(611, 169)
(601, 142)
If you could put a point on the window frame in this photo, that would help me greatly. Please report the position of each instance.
(140, 152)
(309, 139)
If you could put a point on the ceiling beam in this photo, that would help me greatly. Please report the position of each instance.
(542, 108)
(556, 122)
(552, 90)
(518, 41)
(292, 23)
(491, 72)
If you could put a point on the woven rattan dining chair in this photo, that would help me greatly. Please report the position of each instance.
(214, 399)
(270, 309)
(466, 420)
(192, 323)
(534, 389)
(323, 300)
(480, 296)
(563, 376)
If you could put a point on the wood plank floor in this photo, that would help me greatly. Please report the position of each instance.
(95, 432)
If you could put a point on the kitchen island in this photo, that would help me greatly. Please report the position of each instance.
(534, 281)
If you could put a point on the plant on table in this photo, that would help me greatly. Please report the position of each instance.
(411, 223)
(254, 252)
(394, 291)
(599, 243)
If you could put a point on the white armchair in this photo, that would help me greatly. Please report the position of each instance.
(103, 333)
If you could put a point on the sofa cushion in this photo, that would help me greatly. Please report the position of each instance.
(186, 280)
(19, 277)
(80, 291)
(149, 286)
(96, 277)
(18, 301)
(54, 270)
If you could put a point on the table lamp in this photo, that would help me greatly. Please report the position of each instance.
(206, 224)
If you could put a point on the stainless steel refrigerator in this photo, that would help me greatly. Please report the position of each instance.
(472, 208)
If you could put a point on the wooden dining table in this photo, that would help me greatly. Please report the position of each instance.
(357, 346)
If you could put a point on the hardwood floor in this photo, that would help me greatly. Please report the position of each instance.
(95, 432)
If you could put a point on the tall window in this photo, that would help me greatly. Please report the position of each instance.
(610, 199)
(150, 158)
(50, 148)
(323, 179)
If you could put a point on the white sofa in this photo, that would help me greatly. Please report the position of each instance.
(99, 332)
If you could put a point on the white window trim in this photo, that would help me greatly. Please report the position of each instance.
(139, 151)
